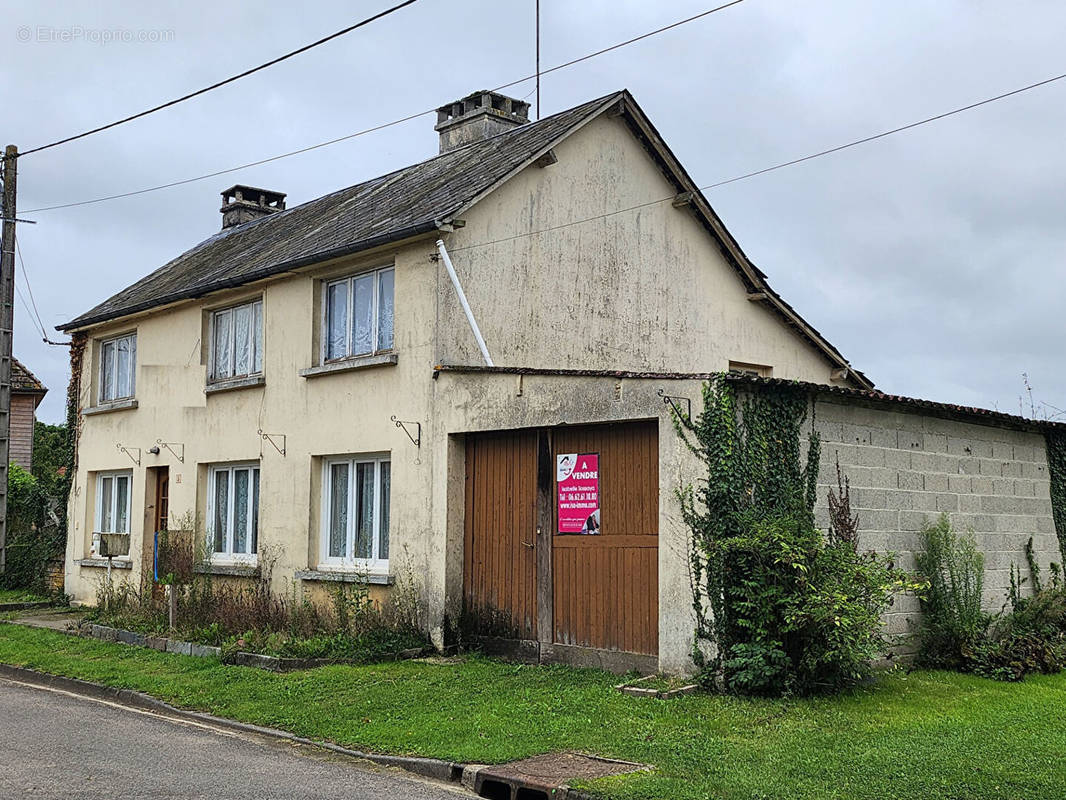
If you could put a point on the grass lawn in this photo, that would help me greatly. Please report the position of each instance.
(927, 735)
(19, 596)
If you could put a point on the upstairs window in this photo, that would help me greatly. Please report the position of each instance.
(233, 510)
(118, 367)
(358, 315)
(237, 342)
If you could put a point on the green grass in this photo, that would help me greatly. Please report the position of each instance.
(19, 596)
(926, 735)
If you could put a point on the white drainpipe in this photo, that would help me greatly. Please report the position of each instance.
(462, 301)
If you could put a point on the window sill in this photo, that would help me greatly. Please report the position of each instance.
(104, 408)
(345, 576)
(121, 562)
(351, 364)
(230, 384)
(234, 570)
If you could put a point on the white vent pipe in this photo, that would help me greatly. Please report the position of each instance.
(462, 301)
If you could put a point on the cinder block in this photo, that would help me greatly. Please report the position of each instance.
(870, 456)
(947, 502)
(937, 482)
(915, 520)
(830, 431)
(910, 480)
(878, 520)
(897, 459)
(884, 437)
(924, 501)
(935, 442)
(989, 467)
(960, 484)
(868, 498)
(982, 485)
(899, 500)
(910, 440)
(1003, 451)
(857, 434)
(969, 466)
(1023, 452)
(1011, 469)
(969, 503)
(925, 462)
(1034, 471)
(1024, 488)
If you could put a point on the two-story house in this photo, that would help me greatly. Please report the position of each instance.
(455, 371)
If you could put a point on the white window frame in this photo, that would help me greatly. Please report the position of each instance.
(253, 509)
(255, 343)
(132, 337)
(374, 564)
(350, 281)
(98, 520)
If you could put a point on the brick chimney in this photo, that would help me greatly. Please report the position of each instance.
(242, 204)
(478, 116)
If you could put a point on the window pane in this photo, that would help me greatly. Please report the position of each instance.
(221, 516)
(223, 334)
(338, 510)
(242, 348)
(255, 511)
(241, 490)
(133, 365)
(363, 314)
(122, 371)
(385, 288)
(107, 371)
(257, 338)
(383, 528)
(364, 515)
(337, 320)
(122, 497)
(105, 504)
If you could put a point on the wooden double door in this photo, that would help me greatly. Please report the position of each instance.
(524, 580)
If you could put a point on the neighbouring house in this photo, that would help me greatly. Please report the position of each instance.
(27, 392)
(451, 372)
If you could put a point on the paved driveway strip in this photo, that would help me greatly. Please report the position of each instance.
(57, 745)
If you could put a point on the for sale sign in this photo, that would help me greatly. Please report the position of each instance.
(577, 483)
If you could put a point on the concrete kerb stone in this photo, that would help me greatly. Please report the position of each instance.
(28, 605)
(434, 768)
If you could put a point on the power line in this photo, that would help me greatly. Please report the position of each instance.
(383, 125)
(38, 323)
(782, 165)
(214, 86)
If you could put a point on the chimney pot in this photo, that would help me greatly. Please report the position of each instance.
(478, 116)
(242, 204)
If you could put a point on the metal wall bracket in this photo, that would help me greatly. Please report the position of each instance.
(270, 437)
(416, 440)
(674, 402)
(180, 456)
(129, 451)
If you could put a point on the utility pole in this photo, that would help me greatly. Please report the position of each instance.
(7, 319)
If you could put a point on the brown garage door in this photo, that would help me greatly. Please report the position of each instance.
(606, 586)
(500, 562)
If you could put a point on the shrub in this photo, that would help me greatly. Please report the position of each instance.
(952, 622)
(781, 608)
(34, 534)
(810, 609)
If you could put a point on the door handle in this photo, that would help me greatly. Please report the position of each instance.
(530, 545)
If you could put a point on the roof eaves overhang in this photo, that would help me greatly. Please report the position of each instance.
(393, 237)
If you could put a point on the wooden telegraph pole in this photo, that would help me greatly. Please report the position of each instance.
(7, 308)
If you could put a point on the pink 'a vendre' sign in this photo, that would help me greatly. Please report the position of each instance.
(577, 481)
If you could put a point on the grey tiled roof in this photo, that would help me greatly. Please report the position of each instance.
(392, 207)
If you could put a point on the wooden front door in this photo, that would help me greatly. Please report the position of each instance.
(500, 558)
(606, 586)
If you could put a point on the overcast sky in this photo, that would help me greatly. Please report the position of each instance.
(933, 260)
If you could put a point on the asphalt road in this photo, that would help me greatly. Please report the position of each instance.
(54, 744)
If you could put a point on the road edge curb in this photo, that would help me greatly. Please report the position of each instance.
(437, 769)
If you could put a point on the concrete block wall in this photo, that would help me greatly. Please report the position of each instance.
(905, 468)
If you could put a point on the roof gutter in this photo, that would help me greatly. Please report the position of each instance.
(326, 255)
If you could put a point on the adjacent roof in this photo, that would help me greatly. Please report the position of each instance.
(417, 200)
(23, 381)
